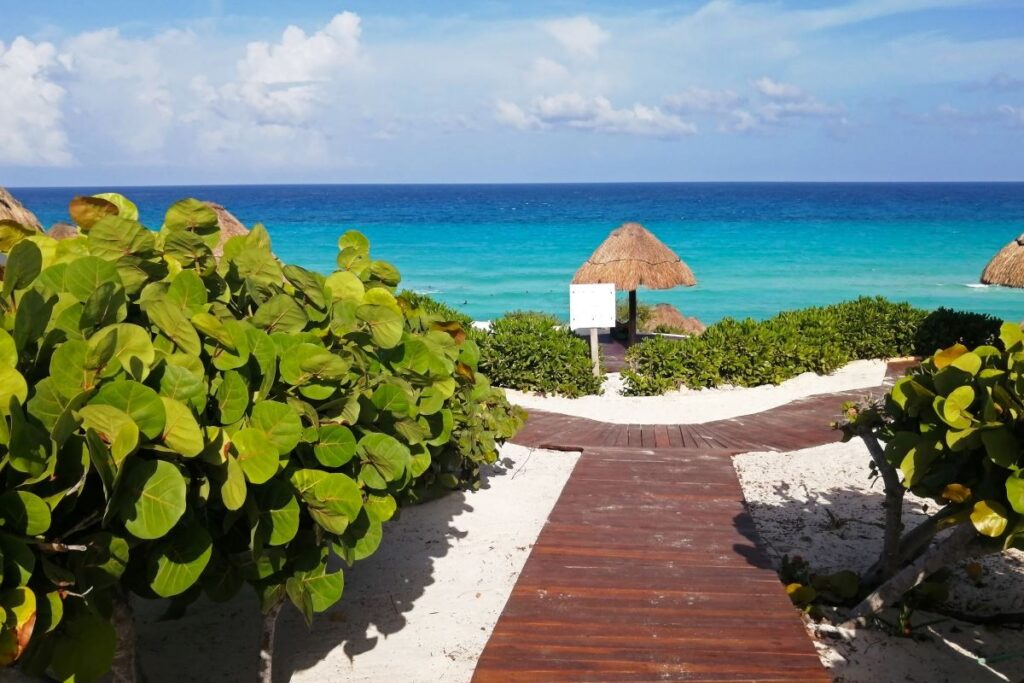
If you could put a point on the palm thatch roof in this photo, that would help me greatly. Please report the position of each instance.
(63, 231)
(632, 257)
(1007, 266)
(229, 227)
(13, 210)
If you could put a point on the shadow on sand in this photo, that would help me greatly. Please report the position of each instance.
(219, 642)
(842, 529)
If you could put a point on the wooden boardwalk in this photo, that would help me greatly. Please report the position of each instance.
(649, 567)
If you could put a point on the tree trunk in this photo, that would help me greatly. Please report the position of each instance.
(631, 324)
(889, 561)
(267, 643)
(959, 545)
(125, 667)
(911, 545)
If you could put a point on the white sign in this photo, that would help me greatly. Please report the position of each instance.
(591, 306)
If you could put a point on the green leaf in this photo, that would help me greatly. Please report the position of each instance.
(187, 292)
(54, 411)
(114, 427)
(125, 207)
(279, 424)
(25, 513)
(344, 285)
(232, 397)
(336, 446)
(182, 433)
(82, 647)
(172, 322)
(385, 459)
(133, 346)
(152, 498)
(192, 215)
(233, 490)
(106, 306)
(1001, 446)
(353, 239)
(389, 397)
(86, 274)
(257, 456)
(138, 400)
(322, 588)
(385, 324)
(989, 518)
(23, 265)
(334, 499)
(8, 351)
(280, 313)
(1015, 492)
(12, 385)
(177, 563)
(279, 512)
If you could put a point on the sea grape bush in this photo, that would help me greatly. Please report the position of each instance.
(535, 352)
(949, 431)
(819, 339)
(174, 425)
(944, 327)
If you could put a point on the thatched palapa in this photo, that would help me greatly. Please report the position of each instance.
(13, 210)
(1007, 266)
(632, 257)
(229, 227)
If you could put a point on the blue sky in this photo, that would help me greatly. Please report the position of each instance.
(229, 92)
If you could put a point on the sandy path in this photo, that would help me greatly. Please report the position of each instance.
(690, 406)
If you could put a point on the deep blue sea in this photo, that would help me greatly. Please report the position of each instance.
(756, 248)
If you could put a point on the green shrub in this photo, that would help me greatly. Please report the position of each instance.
(949, 431)
(643, 313)
(944, 327)
(750, 353)
(535, 352)
(436, 308)
(174, 426)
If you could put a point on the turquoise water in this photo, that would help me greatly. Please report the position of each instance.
(756, 248)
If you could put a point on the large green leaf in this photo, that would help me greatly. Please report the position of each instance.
(24, 263)
(280, 313)
(389, 397)
(192, 215)
(82, 647)
(86, 274)
(336, 446)
(138, 400)
(152, 498)
(172, 322)
(12, 385)
(317, 587)
(233, 490)
(88, 211)
(279, 512)
(177, 563)
(25, 513)
(334, 499)
(125, 207)
(182, 433)
(385, 459)
(278, 423)
(232, 397)
(114, 427)
(257, 456)
(385, 324)
(106, 306)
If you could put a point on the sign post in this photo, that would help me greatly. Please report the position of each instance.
(592, 307)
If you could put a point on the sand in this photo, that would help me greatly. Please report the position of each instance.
(819, 504)
(690, 406)
(419, 610)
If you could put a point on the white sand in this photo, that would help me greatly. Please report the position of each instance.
(419, 610)
(691, 406)
(819, 504)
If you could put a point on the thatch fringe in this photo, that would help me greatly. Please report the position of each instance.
(229, 227)
(13, 210)
(632, 257)
(1007, 266)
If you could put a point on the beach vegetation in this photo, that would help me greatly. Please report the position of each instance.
(944, 327)
(949, 431)
(820, 339)
(174, 425)
(532, 351)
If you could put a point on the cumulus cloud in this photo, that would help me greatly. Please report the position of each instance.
(694, 99)
(774, 90)
(779, 104)
(581, 37)
(31, 115)
(575, 111)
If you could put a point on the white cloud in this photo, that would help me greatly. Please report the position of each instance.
(774, 90)
(1012, 116)
(574, 111)
(694, 99)
(544, 72)
(581, 37)
(31, 116)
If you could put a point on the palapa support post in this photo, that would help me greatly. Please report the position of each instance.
(595, 357)
(631, 325)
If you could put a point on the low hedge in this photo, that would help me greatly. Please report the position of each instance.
(535, 352)
(819, 339)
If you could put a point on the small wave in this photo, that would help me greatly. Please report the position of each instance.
(976, 285)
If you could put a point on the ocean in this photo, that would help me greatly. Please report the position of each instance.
(755, 248)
